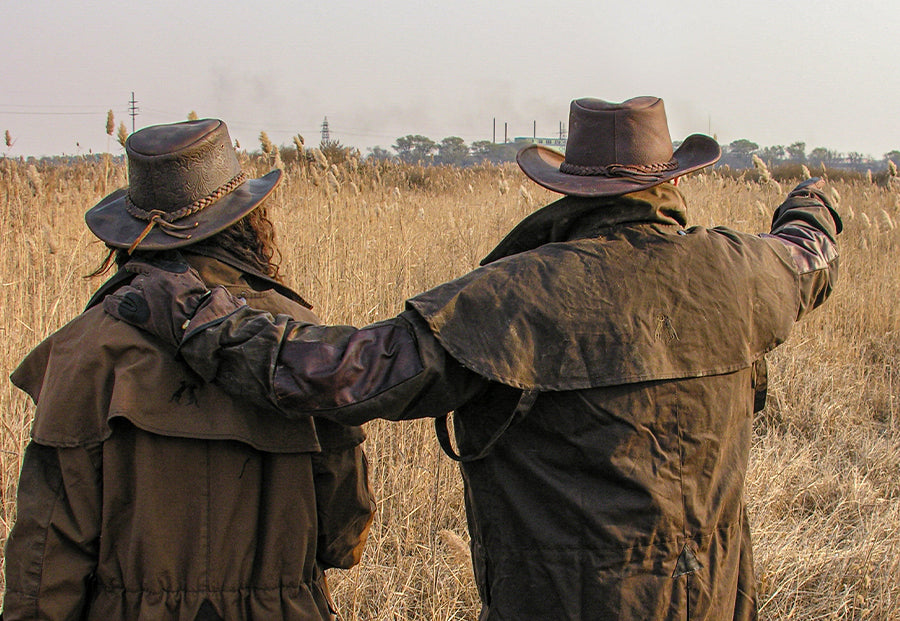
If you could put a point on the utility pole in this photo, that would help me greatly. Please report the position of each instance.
(494, 139)
(562, 130)
(534, 131)
(326, 136)
(505, 134)
(133, 110)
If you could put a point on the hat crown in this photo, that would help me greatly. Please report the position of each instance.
(173, 166)
(632, 133)
(616, 148)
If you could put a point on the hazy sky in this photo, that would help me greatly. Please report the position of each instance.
(823, 72)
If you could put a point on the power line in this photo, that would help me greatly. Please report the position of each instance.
(13, 112)
(162, 115)
(28, 105)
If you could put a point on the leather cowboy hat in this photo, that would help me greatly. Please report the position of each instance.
(616, 148)
(185, 184)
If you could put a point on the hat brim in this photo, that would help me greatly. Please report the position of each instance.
(110, 221)
(541, 165)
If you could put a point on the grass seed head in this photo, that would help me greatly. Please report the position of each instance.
(835, 196)
(50, 238)
(278, 162)
(760, 166)
(320, 158)
(524, 194)
(333, 182)
(122, 134)
(265, 144)
(457, 547)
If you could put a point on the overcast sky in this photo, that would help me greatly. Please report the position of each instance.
(823, 72)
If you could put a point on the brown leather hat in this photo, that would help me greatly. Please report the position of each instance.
(616, 148)
(185, 184)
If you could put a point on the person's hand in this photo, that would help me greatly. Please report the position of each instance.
(812, 187)
(164, 297)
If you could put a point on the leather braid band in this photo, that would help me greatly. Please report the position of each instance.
(165, 219)
(637, 172)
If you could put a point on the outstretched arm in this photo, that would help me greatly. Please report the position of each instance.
(393, 369)
(807, 225)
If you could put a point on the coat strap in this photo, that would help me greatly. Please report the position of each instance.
(526, 402)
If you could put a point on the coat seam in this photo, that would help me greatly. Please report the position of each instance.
(208, 519)
(681, 459)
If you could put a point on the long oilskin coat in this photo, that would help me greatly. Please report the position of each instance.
(604, 365)
(147, 494)
(619, 495)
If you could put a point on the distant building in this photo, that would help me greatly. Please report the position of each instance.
(554, 143)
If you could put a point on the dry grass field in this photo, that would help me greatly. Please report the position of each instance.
(824, 483)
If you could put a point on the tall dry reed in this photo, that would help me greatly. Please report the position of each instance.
(823, 488)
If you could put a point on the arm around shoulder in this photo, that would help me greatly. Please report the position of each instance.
(394, 369)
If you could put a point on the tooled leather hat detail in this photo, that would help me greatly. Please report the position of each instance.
(616, 148)
(185, 184)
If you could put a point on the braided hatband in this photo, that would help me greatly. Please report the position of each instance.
(165, 219)
(636, 172)
(197, 205)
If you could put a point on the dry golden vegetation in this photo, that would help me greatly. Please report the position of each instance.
(824, 483)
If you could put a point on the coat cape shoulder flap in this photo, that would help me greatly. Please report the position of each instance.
(96, 369)
(644, 302)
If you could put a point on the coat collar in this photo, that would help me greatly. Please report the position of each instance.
(216, 267)
(572, 217)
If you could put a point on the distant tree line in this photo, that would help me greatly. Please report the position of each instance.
(451, 151)
(739, 154)
(415, 148)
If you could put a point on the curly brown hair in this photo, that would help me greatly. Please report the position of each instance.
(250, 240)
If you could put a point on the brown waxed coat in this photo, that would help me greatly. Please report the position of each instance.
(604, 365)
(148, 494)
(619, 495)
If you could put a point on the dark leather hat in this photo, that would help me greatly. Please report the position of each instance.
(184, 184)
(616, 148)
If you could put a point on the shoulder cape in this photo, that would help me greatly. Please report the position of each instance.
(648, 302)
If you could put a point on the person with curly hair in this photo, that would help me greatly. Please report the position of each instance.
(146, 492)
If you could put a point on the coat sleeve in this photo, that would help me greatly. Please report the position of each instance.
(344, 499)
(51, 553)
(394, 369)
(807, 226)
